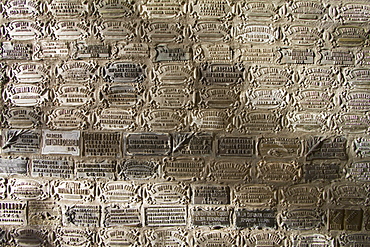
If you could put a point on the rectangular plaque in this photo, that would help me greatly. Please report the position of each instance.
(81, 215)
(21, 141)
(322, 171)
(298, 56)
(211, 217)
(147, 144)
(255, 218)
(61, 142)
(235, 146)
(211, 194)
(192, 143)
(323, 148)
(345, 219)
(47, 166)
(116, 215)
(44, 213)
(96, 169)
(13, 166)
(16, 51)
(165, 216)
(359, 171)
(102, 144)
(13, 213)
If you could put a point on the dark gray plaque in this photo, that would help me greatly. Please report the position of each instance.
(16, 51)
(211, 194)
(116, 215)
(192, 143)
(13, 166)
(235, 146)
(81, 215)
(137, 169)
(324, 148)
(211, 217)
(322, 171)
(27, 236)
(47, 166)
(21, 141)
(102, 144)
(345, 219)
(165, 216)
(256, 218)
(147, 144)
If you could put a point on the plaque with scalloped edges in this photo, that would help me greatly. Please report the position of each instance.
(29, 236)
(74, 190)
(254, 195)
(21, 9)
(302, 195)
(25, 94)
(226, 170)
(205, 238)
(162, 9)
(72, 236)
(275, 172)
(137, 169)
(167, 193)
(120, 237)
(279, 147)
(167, 237)
(23, 30)
(119, 192)
(28, 189)
(183, 168)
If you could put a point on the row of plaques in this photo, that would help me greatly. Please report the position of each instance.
(175, 236)
(261, 54)
(314, 10)
(240, 195)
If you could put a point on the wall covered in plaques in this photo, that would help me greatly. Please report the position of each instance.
(185, 123)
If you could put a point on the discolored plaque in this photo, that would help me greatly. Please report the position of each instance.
(102, 144)
(211, 194)
(21, 141)
(81, 215)
(182, 168)
(50, 166)
(255, 218)
(211, 217)
(235, 146)
(14, 166)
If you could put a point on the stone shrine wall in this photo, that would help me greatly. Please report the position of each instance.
(185, 123)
